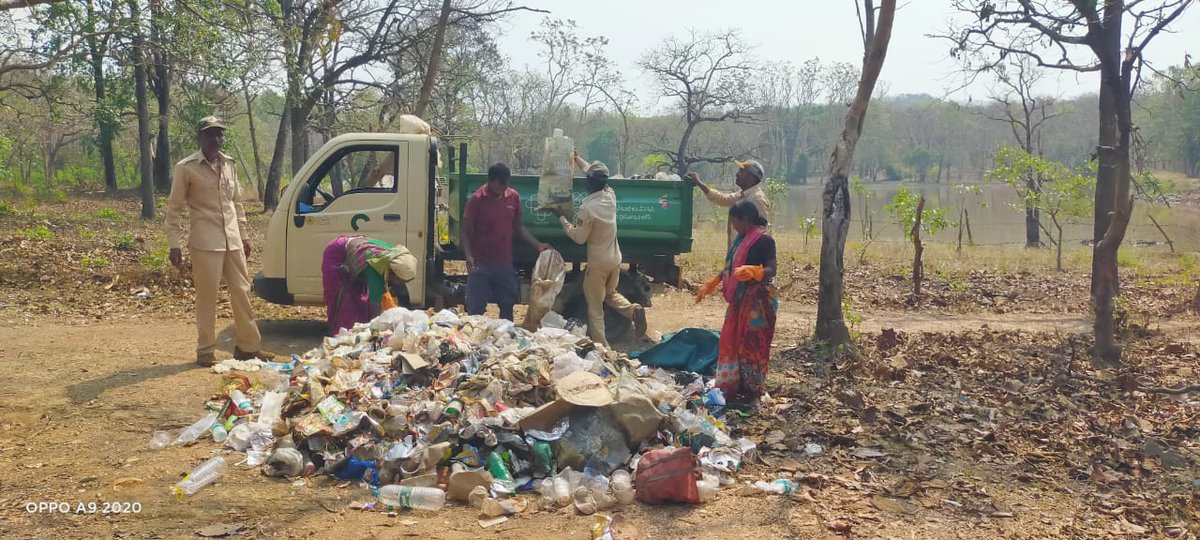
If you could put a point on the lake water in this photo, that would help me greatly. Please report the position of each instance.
(994, 216)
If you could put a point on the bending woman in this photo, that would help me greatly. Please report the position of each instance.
(747, 284)
(356, 272)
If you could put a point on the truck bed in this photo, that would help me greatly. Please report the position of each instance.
(654, 217)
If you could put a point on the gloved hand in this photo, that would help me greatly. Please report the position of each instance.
(748, 272)
(708, 287)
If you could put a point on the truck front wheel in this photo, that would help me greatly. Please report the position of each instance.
(617, 329)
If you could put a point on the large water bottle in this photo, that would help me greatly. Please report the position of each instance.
(555, 184)
(207, 473)
(417, 498)
(194, 431)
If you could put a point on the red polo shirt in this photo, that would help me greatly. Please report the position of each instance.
(495, 219)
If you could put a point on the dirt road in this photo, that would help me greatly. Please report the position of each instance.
(80, 401)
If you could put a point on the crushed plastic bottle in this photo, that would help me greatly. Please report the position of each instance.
(160, 440)
(207, 473)
(622, 486)
(194, 431)
(782, 486)
(417, 498)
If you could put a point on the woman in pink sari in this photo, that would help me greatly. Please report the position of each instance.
(747, 284)
(355, 273)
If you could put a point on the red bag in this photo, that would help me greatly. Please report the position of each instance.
(667, 476)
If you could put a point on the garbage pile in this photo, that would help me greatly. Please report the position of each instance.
(422, 408)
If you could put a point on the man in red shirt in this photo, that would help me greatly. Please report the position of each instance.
(493, 214)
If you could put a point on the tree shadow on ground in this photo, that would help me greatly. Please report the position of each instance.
(86, 391)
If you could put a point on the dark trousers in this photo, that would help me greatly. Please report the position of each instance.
(492, 284)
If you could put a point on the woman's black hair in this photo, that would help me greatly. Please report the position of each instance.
(746, 210)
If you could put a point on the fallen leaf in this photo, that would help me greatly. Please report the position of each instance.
(864, 452)
(221, 530)
(892, 506)
(127, 481)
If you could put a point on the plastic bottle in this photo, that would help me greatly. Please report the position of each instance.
(782, 486)
(708, 486)
(622, 486)
(417, 498)
(241, 401)
(194, 431)
(496, 466)
(207, 473)
(160, 440)
(562, 491)
(454, 407)
(219, 433)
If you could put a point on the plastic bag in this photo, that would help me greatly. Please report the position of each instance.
(566, 364)
(549, 272)
(555, 185)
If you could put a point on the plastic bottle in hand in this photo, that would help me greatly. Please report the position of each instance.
(207, 473)
(783, 486)
(417, 498)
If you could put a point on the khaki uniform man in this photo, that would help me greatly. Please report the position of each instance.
(750, 183)
(206, 184)
(598, 229)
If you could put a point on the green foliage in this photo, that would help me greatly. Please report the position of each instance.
(40, 233)
(156, 259)
(125, 242)
(904, 209)
(6, 209)
(656, 160)
(90, 262)
(605, 147)
(776, 192)
(1065, 193)
(109, 214)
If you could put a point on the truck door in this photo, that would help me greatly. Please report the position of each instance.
(356, 189)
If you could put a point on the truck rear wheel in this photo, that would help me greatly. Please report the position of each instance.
(617, 329)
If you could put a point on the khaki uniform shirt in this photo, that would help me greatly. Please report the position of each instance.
(755, 195)
(597, 228)
(212, 194)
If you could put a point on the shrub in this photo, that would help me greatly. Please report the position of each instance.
(39, 233)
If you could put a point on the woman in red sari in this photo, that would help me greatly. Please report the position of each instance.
(747, 284)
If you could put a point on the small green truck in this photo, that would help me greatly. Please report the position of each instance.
(390, 187)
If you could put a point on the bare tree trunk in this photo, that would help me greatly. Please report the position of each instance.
(960, 229)
(835, 226)
(970, 237)
(1114, 205)
(258, 179)
(143, 111)
(681, 159)
(918, 249)
(162, 94)
(299, 119)
(1058, 244)
(1031, 215)
(105, 119)
(271, 195)
(435, 60)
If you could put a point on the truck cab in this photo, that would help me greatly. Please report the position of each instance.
(387, 187)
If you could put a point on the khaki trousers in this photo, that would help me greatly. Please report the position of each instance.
(600, 288)
(208, 268)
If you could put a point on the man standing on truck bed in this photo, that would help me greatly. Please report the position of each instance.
(492, 215)
(749, 181)
(206, 183)
(598, 229)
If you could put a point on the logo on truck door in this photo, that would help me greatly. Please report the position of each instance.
(358, 217)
